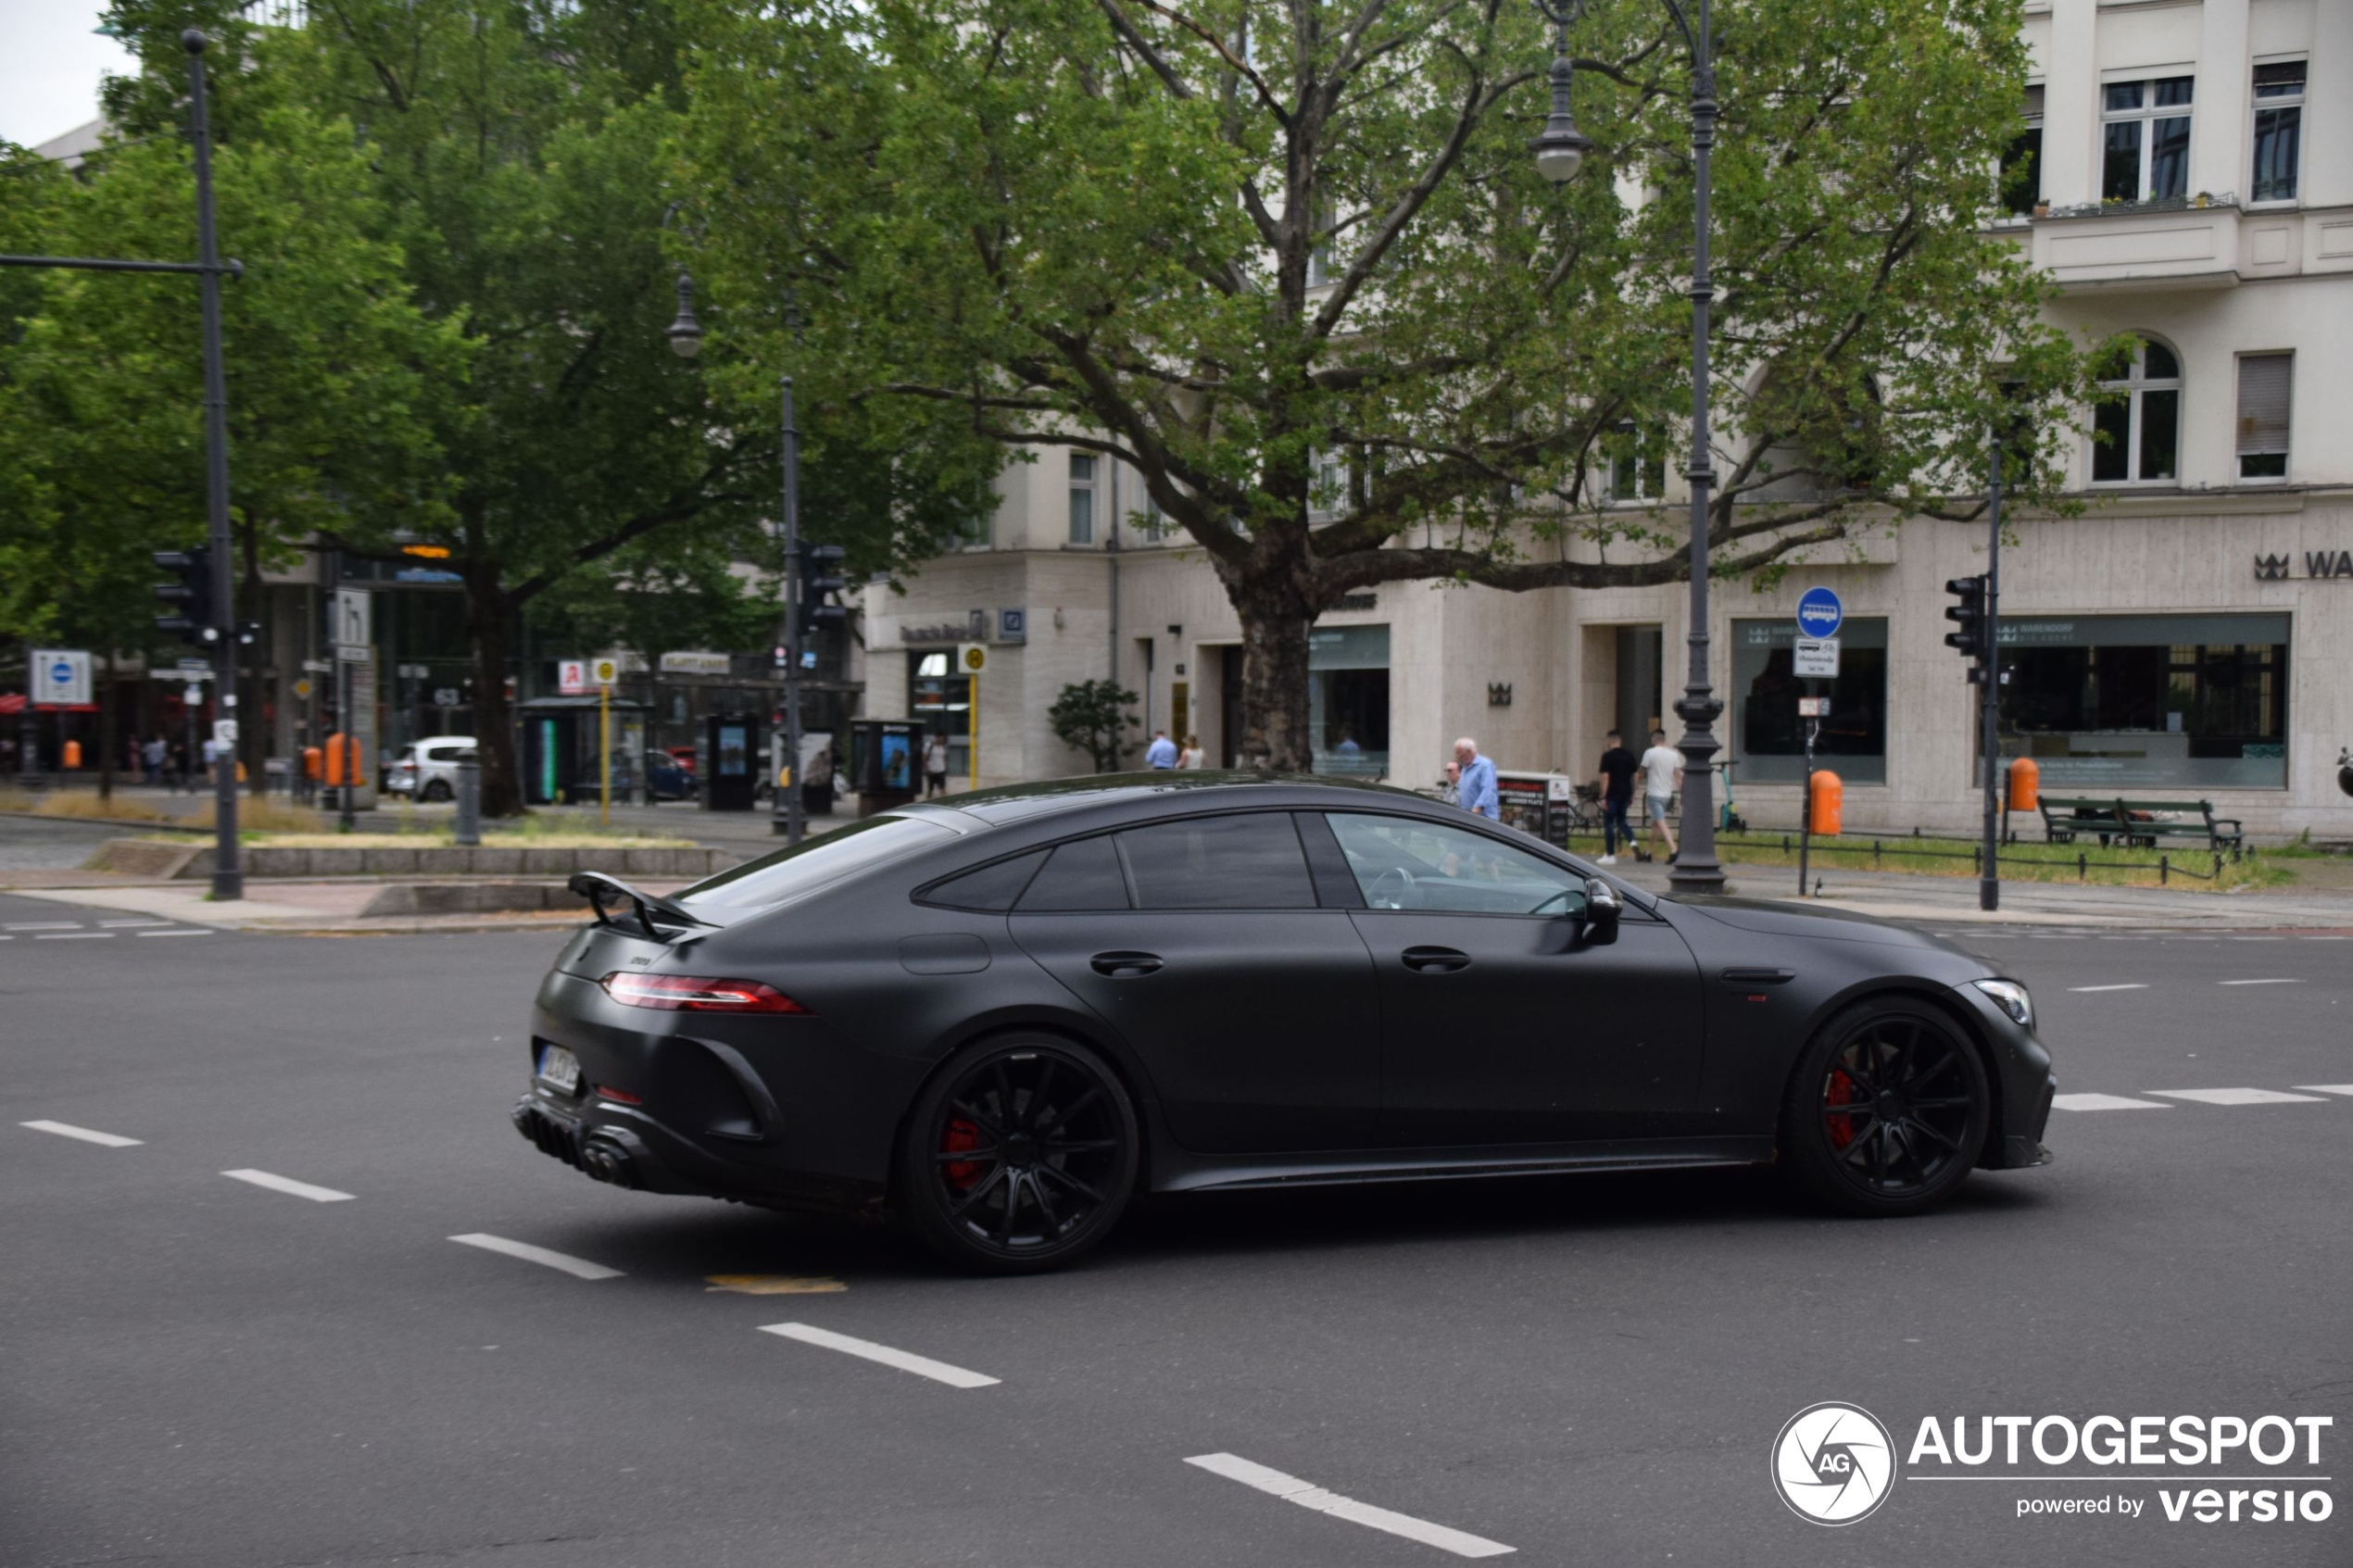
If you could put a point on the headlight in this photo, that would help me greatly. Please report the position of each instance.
(2011, 997)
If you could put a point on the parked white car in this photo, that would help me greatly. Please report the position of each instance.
(428, 768)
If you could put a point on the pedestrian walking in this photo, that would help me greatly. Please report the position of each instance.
(1474, 790)
(1662, 776)
(1450, 789)
(1190, 760)
(1162, 753)
(1616, 777)
(153, 756)
(211, 756)
(935, 765)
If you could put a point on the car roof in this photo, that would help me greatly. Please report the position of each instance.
(1017, 803)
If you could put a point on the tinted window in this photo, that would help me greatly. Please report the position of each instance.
(991, 887)
(1080, 875)
(1401, 863)
(812, 863)
(1250, 862)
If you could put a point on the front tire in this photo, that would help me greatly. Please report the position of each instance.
(1019, 1156)
(1887, 1110)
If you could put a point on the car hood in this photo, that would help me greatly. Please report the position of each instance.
(1778, 918)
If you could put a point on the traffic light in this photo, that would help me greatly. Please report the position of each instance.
(821, 577)
(1969, 609)
(190, 596)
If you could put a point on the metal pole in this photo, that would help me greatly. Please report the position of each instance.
(469, 830)
(1696, 869)
(228, 878)
(787, 817)
(1806, 807)
(1989, 882)
(604, 754)
(28, 724)
(346, 745)
(972, 730)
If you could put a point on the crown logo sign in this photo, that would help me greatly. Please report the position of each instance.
(2270, 569)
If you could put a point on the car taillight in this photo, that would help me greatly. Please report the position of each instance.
(689, 993)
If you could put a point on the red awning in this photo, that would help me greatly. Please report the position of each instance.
(11, 702)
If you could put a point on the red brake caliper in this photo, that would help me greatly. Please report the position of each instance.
(1841, 1092)
(959, 1135)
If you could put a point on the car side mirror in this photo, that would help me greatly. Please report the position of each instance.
(1598, 926)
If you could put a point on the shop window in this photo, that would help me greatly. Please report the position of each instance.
(2144, 152)
(1772, 737)
(2278, 130)
(2118, 702)
(2263, 411)
(1082, 498)
(940, 700)
(2137, 435)
(2023, 161)
(1347, 700)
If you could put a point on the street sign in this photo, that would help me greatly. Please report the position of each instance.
(318, 666)
(572, 677)
(1814, 658)
(353, 624)
(354, 653)
(1013, 625)
(196, 669)
(1820, 613)
(302, 688)
(224, 733)
(972, 658)
(191, 695)
(604, 671)
(1813, 707)
(60, 678)
(445, 696)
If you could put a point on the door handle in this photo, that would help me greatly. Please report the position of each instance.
(1435, 961)
(1124, 966)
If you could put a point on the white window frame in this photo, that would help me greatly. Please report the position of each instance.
(1086, 493)
(2148, 115)
(2286, 449)
(2139, 383)
(2258, 104)
(1637, 493)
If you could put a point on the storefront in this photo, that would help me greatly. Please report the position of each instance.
(1348, 700)
(1769, 738)
(940, 702)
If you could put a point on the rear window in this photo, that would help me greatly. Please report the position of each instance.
(1083, 875)
(992, 889)
(812, 863)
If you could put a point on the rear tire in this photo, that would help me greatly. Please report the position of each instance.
(1019, 1156)
(438, 790)
(1887, 1110)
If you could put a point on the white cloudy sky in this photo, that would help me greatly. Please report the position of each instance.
(50, 63)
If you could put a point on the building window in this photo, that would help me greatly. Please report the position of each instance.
(2106, 702)
(940, 700)
(1082, 498)
(1347, 700)
(1851, 742)
(2137, 437)
(2023, 161)
(2279, 130)
(2146, 150)
(2263, 408)
(1636, 462)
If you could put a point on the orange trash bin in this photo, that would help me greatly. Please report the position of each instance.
(1827, 794)
(2026, 778)
(71, 754)
(343, 761)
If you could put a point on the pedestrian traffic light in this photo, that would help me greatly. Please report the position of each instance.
(819, 577)
(190, 595)
(1968, 610)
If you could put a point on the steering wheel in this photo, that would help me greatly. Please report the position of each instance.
(1390, 889)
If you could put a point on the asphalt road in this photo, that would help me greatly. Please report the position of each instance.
(199, 1370)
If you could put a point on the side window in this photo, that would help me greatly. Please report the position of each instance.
(1401, 863)
(1243, 862)
(992, 889)
(1083, 875)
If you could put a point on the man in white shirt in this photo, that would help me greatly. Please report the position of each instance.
(1662, 768)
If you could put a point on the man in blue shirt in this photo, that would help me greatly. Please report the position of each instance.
(1162, 753)
(1476, 791)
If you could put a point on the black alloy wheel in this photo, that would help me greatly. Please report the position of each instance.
(1019, 1156)
(1888, 1109)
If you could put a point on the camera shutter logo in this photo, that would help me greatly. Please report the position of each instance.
(1834, 1464)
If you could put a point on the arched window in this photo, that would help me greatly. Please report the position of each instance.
(2139, 435)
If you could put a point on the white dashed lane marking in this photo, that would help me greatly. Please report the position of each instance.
(579, 1268)
(2104, 1102)
(289, 1185)
(2276, 980)
(2327, 1088)
(2089, 989)
(75, 936)
(2238, 1096)
(67, 1130)
(44, 925)
(1308, 1495)
(866, 1349)
(177, 931)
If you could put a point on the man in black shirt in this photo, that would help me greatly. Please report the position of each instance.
(1617, 780)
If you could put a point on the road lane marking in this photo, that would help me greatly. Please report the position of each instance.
(75, 936)
(180, 931)
(2087, 990)
(289, 1185)
(44, 925)
(579, 1268)
(128, 924)
(1307, 1495)
(2238, 1096)
(67, 1130)
(2275, 981)
(771, 1285)
(2328, 1088)
(922, 1366)
(2104, 1102)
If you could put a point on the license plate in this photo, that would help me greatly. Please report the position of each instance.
(560, 1070)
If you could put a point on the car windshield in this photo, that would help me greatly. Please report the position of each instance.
(812, 863)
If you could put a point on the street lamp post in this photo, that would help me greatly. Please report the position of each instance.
(1560, 151)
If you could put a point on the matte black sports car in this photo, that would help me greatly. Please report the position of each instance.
(1005, 1014)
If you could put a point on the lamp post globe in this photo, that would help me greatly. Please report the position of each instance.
(1560, 149)
(686, 332)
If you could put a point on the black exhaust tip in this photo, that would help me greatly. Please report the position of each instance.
(607, 1161)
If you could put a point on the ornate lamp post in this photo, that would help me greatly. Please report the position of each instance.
(1560, 152)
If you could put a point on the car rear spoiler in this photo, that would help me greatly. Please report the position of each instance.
(653, 911)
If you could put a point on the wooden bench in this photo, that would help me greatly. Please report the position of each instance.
(2132, 823)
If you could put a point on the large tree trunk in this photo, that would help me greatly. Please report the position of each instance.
(486, 617)
(1276, 616)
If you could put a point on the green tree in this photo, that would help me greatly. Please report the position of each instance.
(1093, 717)
(1294, 263)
